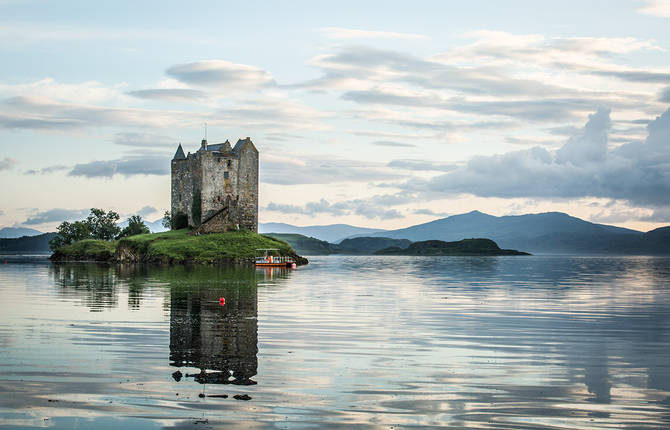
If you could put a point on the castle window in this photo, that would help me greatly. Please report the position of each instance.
(225, 175)
(228, 163)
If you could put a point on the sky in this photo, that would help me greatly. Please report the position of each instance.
(382, 114)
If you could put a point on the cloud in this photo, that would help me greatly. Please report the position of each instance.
(430, 213)
(221, 73)
(658, 215)
(271, 115)
(144, 140)
(293, 170)
(665, 96)
(39, 113)
(645, 76)
(126, 166)
(659, 8)
(421, 165)
(7, 163)
(557, 109)
(169, 94)
(46, 170)
(56, 215)
(637, 172)
(367, 208)
(349, 33)
(146, 211)
(392, 144)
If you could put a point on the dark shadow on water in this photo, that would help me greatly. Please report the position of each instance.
(219, 339)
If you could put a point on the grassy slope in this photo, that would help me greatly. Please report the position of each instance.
(89, 249)
(178, 246)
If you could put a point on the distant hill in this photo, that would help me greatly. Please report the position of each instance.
(551, 232)
(333, 233)
(154, 226)
(357, 246)
(304, 245)
(465, 247)
(27, 244)
(369, 245)
(11, 232)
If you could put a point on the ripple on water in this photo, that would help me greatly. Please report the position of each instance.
(492, 342)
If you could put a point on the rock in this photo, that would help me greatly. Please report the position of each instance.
(242, 397)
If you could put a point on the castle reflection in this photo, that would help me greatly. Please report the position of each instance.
(220, 340)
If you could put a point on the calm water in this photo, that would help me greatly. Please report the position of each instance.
(462, 342)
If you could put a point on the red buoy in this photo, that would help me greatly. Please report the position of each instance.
(222, 301)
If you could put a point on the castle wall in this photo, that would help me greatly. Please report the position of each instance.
(248, 188)
(182, 187)
(211, 181)
(217, 189)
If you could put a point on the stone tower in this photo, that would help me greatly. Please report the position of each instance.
(217, 187)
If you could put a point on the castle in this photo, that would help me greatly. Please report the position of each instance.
(216, 188)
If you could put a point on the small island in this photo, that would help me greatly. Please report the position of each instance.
(465, 247)
(213, 217)
(176, 247)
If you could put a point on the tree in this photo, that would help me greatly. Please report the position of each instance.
(98, 225)
(135, 226)
(69, 233)
(167, 220)
(103, 225)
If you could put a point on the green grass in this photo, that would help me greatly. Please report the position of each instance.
(88, 249)
(179, 245)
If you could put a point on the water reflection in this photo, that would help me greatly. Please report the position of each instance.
(555, 342)
(96, 285)
(220, 340)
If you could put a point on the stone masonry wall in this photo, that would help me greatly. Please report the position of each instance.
(248, 188)
(222, 179)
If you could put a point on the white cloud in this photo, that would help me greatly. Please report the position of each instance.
(221, 73)
(41, 113)
(350, 33)
(660, 8)
(637, 173)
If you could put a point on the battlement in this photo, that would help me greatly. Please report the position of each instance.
(217, 177)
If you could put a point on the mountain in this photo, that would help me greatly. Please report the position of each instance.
(38, 244)
(356, 246)
(305, 245)
(551, 232)
(12, 232)
(465, 247)
(369, 245)
(333, 233)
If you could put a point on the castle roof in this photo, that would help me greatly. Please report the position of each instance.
(241, 143)
(220, 147)
(179, 155)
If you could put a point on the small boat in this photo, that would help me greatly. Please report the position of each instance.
(269, 259)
